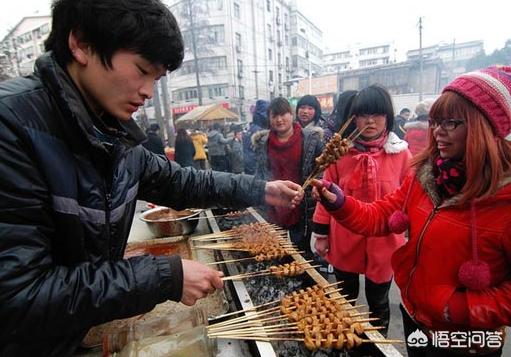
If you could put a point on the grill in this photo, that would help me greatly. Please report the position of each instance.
(247, 293)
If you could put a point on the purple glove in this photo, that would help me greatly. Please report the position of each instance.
(336, 190)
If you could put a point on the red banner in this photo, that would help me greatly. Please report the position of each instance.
(186, 108)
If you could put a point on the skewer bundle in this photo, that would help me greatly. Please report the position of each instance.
(334, 149)
(284, 270)
(261, 240)
(310, 316)
(244, 231)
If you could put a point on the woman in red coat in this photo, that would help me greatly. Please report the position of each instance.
(375, 165)
(455, 270)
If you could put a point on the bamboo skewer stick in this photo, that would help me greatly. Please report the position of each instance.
(316, 171)
(268, 339)
(253, 308)
(231, 214)
(230, 261)
(261, 273)
(345, 125)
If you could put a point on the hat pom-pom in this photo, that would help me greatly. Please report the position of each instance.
(474, 274)
(398, 222)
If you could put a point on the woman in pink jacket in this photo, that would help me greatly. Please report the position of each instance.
(454, 272)
(375, 165)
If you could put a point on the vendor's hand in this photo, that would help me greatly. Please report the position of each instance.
(319, 244)
(283, 193)
(199, 281)
(328, 193)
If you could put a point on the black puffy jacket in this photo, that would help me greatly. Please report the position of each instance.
(66, 207)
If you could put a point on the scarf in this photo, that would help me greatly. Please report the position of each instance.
(285, 159)
(450, 176)
(365, 173)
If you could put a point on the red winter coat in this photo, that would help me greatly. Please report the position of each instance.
(426, 267)
(416, 135)
(365, 254)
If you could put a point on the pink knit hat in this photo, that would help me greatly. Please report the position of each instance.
(489, 90)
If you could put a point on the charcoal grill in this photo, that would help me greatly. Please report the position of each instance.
(246, 294)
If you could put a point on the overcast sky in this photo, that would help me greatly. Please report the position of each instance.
(369, 21)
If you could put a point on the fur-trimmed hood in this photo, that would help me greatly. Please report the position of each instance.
(427, 181)
(416, 124)
(394, 144)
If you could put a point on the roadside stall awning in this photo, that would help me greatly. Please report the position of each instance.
(207, 115)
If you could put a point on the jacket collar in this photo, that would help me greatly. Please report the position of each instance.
(73, 106)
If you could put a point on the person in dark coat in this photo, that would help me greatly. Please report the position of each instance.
(184, 148)
(236, 153)
(259, 122)
(400, 121)
(154, 142)
(73, 168)
(217, 150)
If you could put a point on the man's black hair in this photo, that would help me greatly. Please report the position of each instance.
(279, 106)
(145, 27)
(405, 110)
(374, 99)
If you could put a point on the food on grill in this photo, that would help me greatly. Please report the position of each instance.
(290, 269)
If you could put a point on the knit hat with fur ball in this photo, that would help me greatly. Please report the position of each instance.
(489, 90)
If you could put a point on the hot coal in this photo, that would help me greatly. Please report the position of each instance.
(264, 289)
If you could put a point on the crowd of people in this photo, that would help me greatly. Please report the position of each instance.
(422, 198)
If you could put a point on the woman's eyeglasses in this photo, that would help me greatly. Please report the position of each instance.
(447, 124)
(375, 117)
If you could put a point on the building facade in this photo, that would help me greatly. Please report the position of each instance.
(244, 50)
(359, 56)
(25, 42)
(454, 56)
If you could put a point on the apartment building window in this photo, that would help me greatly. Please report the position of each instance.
(237, 11)
(238, 42)
(215, 34)
(217, 90)
(204, 64)
(268, 5)
(207, 35)
(186, 94)
(270, 54)
(287, 62)
(270, 34)
(240, 68)
(45, 29)
(280, 78)
(279, 59)
(242, 92)
(270, 75)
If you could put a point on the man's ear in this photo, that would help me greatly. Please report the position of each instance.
(80, 51)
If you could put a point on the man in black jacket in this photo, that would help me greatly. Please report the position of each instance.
(72, 169)
(154, 142)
